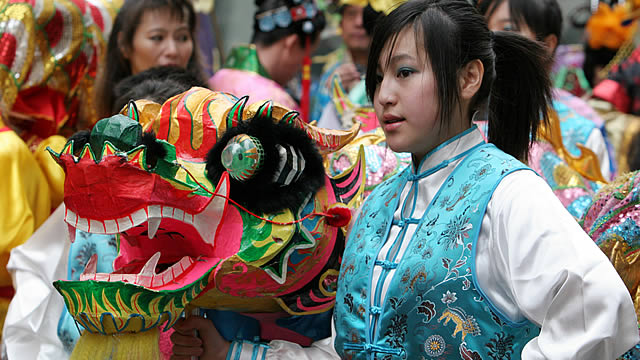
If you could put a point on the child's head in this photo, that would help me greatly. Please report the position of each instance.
(434, 63)
(157, 84)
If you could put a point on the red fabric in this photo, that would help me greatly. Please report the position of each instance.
(306, 83)
(46, 106)
(7, 292)
(164, 342)
(614, 93)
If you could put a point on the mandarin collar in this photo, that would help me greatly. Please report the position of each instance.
(449, 149)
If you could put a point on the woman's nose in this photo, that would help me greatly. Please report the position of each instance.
(386, 95)
(171, 47)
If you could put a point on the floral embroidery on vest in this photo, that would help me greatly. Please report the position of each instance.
(433, 307)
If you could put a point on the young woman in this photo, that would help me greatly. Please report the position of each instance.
(467, 253)
(147, 33)
(542, 21)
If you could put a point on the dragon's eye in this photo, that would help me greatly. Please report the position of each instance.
(243, 157)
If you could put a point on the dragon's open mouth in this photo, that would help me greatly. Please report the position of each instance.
(161, 247)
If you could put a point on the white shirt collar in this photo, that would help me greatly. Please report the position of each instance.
(451, 148)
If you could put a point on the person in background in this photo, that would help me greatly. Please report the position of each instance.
(464, 253)
(156, 84)
(147, 33)
(542, 21)
(50, 53)
(285, 32)
(348, 62)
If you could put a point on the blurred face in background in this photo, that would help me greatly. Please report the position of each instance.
(160, 39)
(353, 33)
(501, 20)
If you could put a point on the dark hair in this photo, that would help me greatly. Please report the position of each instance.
(157, 84)
(116, 67)
(633, 156)
(370, 18)
(543, 17)
(296, 27)
(515, 86)
(596, 57)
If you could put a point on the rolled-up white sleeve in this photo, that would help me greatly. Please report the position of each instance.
(535, 262)
(282, 350)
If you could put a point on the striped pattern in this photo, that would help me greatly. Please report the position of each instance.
(291, 165)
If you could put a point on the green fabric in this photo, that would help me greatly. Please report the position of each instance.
(358, 95)
(246, 58)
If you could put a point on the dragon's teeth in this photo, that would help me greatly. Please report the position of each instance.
(155, 211)
(82, 224)
(72, 233)
(90, 268)
(111, 226)
(150, 267)
(70, 217)
(154, 224)
(138, 217)
(207, 222)
(124, 224)
(96, 227)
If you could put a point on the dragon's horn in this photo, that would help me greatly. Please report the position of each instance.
(132, 111)
(290, 117)
(235, 113)
(265, 110)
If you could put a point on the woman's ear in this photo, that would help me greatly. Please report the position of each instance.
(291, 43)
(552, 42)
(471, 79)
(124, 50)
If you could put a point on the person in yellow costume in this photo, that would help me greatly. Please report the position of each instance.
(32, 186)
(48, 60)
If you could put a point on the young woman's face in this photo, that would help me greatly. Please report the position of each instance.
(160, 39)
(501, 20)
(406, 99)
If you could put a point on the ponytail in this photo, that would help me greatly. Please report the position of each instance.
(521, 93)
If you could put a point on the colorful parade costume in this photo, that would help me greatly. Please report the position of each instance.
(244, 75)
(49, 56)
(428, 288)
(440, 261)
(265, 240)
(613, 221)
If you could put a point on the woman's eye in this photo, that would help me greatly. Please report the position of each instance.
(403, 73)
(508, 27)
(184, 38)
(378, 79)
(156, 38)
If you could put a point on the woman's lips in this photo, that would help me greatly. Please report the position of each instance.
(390, 121)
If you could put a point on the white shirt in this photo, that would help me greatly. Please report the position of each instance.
(533, 261)
(30, 328)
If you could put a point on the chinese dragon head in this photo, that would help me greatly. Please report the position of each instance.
(215, 203)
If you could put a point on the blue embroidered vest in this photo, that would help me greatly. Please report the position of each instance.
(434, 307)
